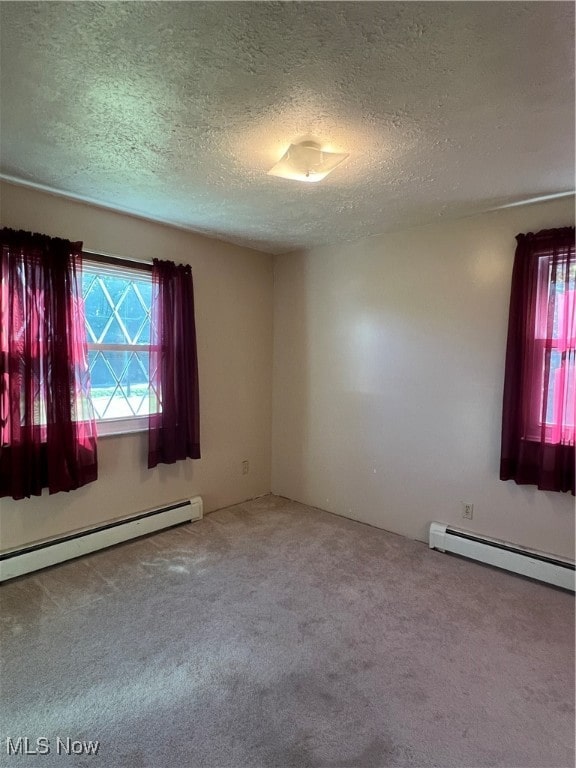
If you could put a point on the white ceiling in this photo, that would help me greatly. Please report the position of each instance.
(177, 110)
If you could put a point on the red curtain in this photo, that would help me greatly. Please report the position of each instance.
(47, 427)
(174, 428)
(540, 379)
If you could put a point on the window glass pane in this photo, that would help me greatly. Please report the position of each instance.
(101, 374)
(114, 332)
(116, 287)
(96, 307)
(145, 289)
(554, 384)
(140, 386)
(103, 382)
(120, 383)
(117, 311)
(135, 315)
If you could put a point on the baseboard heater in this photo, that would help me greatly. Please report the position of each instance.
(52, 551)
(527, 562)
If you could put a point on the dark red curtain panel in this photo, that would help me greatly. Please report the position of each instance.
(540, 379)
(174, 431)
(47, 427)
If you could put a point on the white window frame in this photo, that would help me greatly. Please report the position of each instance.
(120, 268)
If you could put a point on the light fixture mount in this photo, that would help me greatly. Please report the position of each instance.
(306, 161)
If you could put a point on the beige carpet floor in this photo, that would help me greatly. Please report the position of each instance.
(272, 634)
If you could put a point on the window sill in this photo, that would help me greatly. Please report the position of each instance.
(117, 427)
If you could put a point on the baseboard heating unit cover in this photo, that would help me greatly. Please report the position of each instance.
(42, 554)
(527, 562)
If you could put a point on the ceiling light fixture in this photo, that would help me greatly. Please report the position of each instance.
(306, 161)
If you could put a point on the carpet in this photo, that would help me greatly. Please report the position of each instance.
(273, 634)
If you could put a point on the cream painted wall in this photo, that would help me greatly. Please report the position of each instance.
(233, 298)
(388, 375)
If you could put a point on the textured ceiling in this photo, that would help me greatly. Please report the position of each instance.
(176, 110)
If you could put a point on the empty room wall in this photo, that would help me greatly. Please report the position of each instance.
(388, 376)
(233, 298)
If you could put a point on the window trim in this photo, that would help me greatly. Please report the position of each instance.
(126, 425)
(119, 262)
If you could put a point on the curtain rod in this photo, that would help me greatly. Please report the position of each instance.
(121, 261)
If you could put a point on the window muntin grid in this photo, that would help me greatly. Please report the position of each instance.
(117, 307)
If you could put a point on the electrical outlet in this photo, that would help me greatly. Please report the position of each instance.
(245, 467)
(467, 510)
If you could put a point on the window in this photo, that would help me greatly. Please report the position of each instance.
(540, 379)
(117, 306)
(65, 319)
(553, 407)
